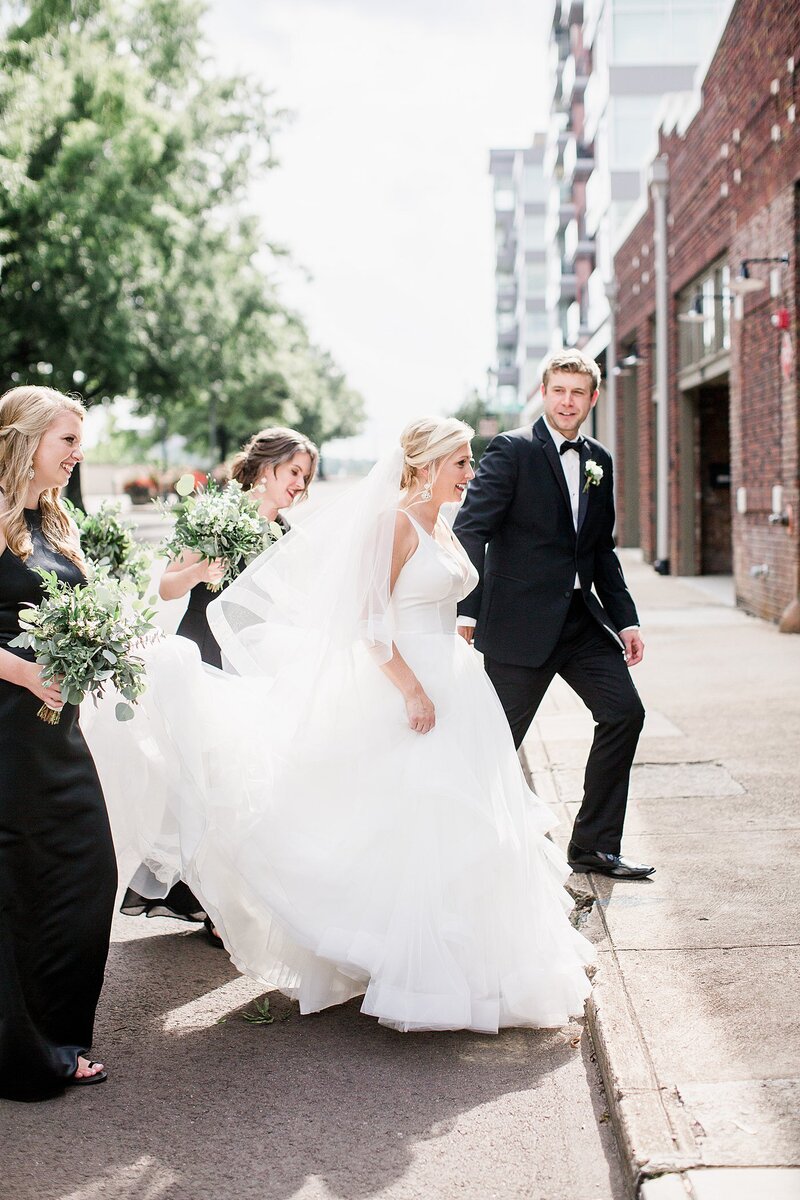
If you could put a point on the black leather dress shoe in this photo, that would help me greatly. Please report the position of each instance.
(613, 865)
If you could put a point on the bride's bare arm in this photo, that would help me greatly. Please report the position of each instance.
(419, 708)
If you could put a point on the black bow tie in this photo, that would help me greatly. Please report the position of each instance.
(576, 445)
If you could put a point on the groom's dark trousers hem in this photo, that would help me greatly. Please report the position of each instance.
(594, 667)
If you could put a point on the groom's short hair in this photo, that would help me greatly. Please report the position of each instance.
(574, 362)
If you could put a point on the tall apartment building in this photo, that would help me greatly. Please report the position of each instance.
(613, 63)
(520, 200)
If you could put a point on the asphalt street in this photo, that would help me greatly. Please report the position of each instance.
(203, 1105)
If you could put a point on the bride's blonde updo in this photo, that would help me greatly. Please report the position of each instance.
(426, 442)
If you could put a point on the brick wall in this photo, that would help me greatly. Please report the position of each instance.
(734, 193)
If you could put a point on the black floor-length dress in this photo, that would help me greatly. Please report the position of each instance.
(58, 873)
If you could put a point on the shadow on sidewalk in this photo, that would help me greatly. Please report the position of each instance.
(333, 1105)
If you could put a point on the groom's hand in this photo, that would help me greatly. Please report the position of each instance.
(634, 646)
(467, 632)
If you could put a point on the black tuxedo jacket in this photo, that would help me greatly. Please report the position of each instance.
(516, 526)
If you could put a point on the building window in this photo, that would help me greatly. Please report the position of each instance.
(700, 340)
(535, 185)
(631, 130)
(663, 31)
(534, 232)
(535, 277)
(536, 326)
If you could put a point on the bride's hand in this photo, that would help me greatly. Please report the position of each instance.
(420, 711)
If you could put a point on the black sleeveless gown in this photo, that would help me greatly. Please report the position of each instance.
(58, 873)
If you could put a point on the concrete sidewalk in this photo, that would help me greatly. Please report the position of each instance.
(695, 1010)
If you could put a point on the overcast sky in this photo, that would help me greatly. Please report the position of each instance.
(383, 193)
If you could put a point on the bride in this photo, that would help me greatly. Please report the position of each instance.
(346, 799)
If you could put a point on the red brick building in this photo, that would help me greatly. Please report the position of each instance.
(730, 478)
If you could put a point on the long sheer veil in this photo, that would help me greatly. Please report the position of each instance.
(321, 590)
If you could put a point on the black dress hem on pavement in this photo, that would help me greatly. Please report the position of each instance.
(58, 873)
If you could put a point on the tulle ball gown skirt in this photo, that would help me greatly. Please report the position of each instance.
(364, 858)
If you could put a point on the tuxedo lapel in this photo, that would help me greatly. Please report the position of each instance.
(583, 495)
(554, 459)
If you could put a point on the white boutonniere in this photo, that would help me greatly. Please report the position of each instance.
(593, 472)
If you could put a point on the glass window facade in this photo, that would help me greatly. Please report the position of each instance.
(536, 326)
(663, 31)
(534, 231)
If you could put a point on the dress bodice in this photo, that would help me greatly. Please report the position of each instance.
(19, 583)
(436, 577)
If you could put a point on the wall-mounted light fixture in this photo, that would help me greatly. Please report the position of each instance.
(695, 315)
(744, 281)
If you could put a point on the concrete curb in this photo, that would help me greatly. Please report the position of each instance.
(656, 1145)
(651, 1129)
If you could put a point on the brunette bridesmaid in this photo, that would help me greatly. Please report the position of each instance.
(277, 465)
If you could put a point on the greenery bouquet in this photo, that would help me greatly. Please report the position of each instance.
(108, 541)
(83, 638)
(219, 523)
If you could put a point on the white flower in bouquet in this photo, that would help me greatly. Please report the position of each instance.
(219, 523)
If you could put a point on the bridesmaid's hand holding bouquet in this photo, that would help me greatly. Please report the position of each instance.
(219, 524)
(83, 638)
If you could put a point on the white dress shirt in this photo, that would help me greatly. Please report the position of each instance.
(571, 466)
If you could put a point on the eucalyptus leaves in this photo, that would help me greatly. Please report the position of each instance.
(108, 541)
(219, 523)
(83, 638)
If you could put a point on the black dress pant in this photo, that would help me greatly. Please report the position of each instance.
(594, 667)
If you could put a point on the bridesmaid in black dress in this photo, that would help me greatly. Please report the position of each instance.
(58, 873)
(278, 465)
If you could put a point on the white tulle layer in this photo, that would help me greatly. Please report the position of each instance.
(362, 858)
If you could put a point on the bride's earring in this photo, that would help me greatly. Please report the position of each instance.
(426, 492)
(31, 472)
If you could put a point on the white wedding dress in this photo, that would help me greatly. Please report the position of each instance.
(366, 858)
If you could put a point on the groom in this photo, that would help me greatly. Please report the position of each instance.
(538, 524)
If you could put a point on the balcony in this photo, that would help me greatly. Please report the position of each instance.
(577, 245)
(577, 328)
(504, 219)
(507, 297)
(562, 284)
(508, 376)
(578, 161)
(574, 79)
(506, 257)
(507, 335)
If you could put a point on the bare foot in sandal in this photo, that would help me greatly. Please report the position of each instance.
(88, 1072)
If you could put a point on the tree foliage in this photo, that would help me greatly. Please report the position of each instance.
(130, 264)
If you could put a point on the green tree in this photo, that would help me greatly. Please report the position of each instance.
(129, 263)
